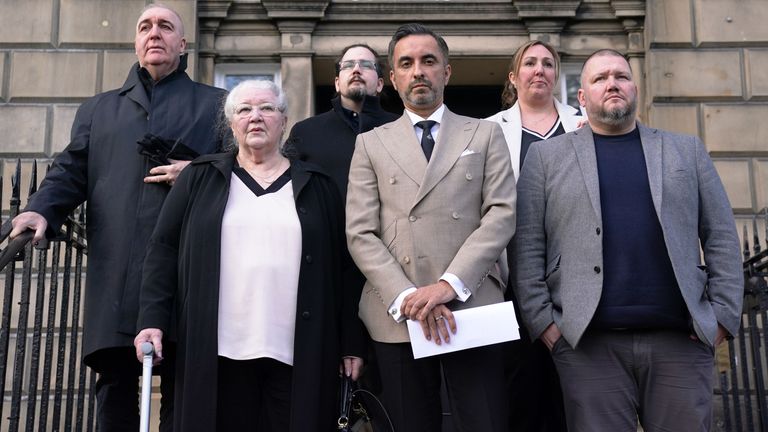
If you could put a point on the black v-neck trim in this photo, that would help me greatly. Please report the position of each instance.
(255, 187)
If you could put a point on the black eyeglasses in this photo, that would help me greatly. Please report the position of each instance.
(364, 64)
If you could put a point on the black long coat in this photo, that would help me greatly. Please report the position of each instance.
(182, 269)
(102, 166)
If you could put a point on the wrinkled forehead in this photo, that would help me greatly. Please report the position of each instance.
(162, 14)
(607, 63)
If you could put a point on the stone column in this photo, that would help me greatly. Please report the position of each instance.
(296, 68)
(296, 21)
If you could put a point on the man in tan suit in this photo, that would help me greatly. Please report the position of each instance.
(426, 226)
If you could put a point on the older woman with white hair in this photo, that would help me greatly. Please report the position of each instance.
(247, 254)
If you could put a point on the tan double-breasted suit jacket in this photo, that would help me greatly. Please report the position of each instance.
(408, 222)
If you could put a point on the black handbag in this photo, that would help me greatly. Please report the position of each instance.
(360, 410)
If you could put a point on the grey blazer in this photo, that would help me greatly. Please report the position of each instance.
(558, 247)
(408, 222)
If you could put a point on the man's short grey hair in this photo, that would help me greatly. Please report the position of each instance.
(166, 7)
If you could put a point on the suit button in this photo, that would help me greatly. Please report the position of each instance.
(597, 269)
(412, 218)
(302, 210)
(407, 260)
(305, 315)
(455, 215)
(392, 180)
(308, 259)
(468, 176)
(597, 230)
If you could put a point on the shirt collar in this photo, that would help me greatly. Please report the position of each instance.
(436, 116)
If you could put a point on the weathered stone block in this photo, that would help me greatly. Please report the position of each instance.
(26, 21)
(188, 12)
(116, 67)
(24, 128)
(735, 177)
(265, 45)
(735, 127)
(695, 73)
(730, 20)
(105, 21)
(761, 183)
(2, 75)
(757, 59)
(675, 118)
(53, 74)
(63, 116)
(670, 21)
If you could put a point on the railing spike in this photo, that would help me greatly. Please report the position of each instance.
(33, 179)
(15, 185)
(746, 242)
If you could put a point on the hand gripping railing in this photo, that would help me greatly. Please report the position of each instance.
(50, 386)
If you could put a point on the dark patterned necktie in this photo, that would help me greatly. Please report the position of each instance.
(427, 142)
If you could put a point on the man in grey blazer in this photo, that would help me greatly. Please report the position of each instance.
(426, 226)
(612, 221)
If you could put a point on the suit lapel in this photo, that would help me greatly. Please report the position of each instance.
(399, 139)
(452, 140)
(652, 151)
(584, 146)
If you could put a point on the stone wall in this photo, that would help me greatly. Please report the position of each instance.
(54, 54)
(707, 75)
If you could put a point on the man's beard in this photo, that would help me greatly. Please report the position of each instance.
(356, 94)
(617, 116)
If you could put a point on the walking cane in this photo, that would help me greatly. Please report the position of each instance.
(146, 385)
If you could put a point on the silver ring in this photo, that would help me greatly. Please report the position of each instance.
(439, 318)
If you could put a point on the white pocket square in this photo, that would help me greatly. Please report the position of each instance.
(467, 153)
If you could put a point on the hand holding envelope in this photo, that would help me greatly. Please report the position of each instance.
(480, 326)
(439, 325)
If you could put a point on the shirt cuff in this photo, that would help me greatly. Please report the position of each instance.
(462, 292)
(394, 308)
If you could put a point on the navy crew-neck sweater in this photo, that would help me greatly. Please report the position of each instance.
(639, 286)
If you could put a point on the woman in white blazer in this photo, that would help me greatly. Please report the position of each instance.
(531, 111)
(532, 114)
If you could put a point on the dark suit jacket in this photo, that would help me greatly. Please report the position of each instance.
(558, 246)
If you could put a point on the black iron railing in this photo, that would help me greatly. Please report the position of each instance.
(49, 387)
(743, 379)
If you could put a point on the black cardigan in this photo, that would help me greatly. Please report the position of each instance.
(182, 270)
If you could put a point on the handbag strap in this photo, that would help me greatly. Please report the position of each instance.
(371, 397)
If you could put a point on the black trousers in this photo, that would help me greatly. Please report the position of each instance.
(253, 395)
(474, 384)
(117, 395)
(533, 386)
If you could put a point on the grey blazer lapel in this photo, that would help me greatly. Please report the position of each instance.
(584, 145)
(652, 151)
(452, 140)
(399, 139)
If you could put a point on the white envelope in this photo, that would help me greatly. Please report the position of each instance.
(475, 327)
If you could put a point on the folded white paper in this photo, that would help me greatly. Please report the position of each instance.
(475, 327)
